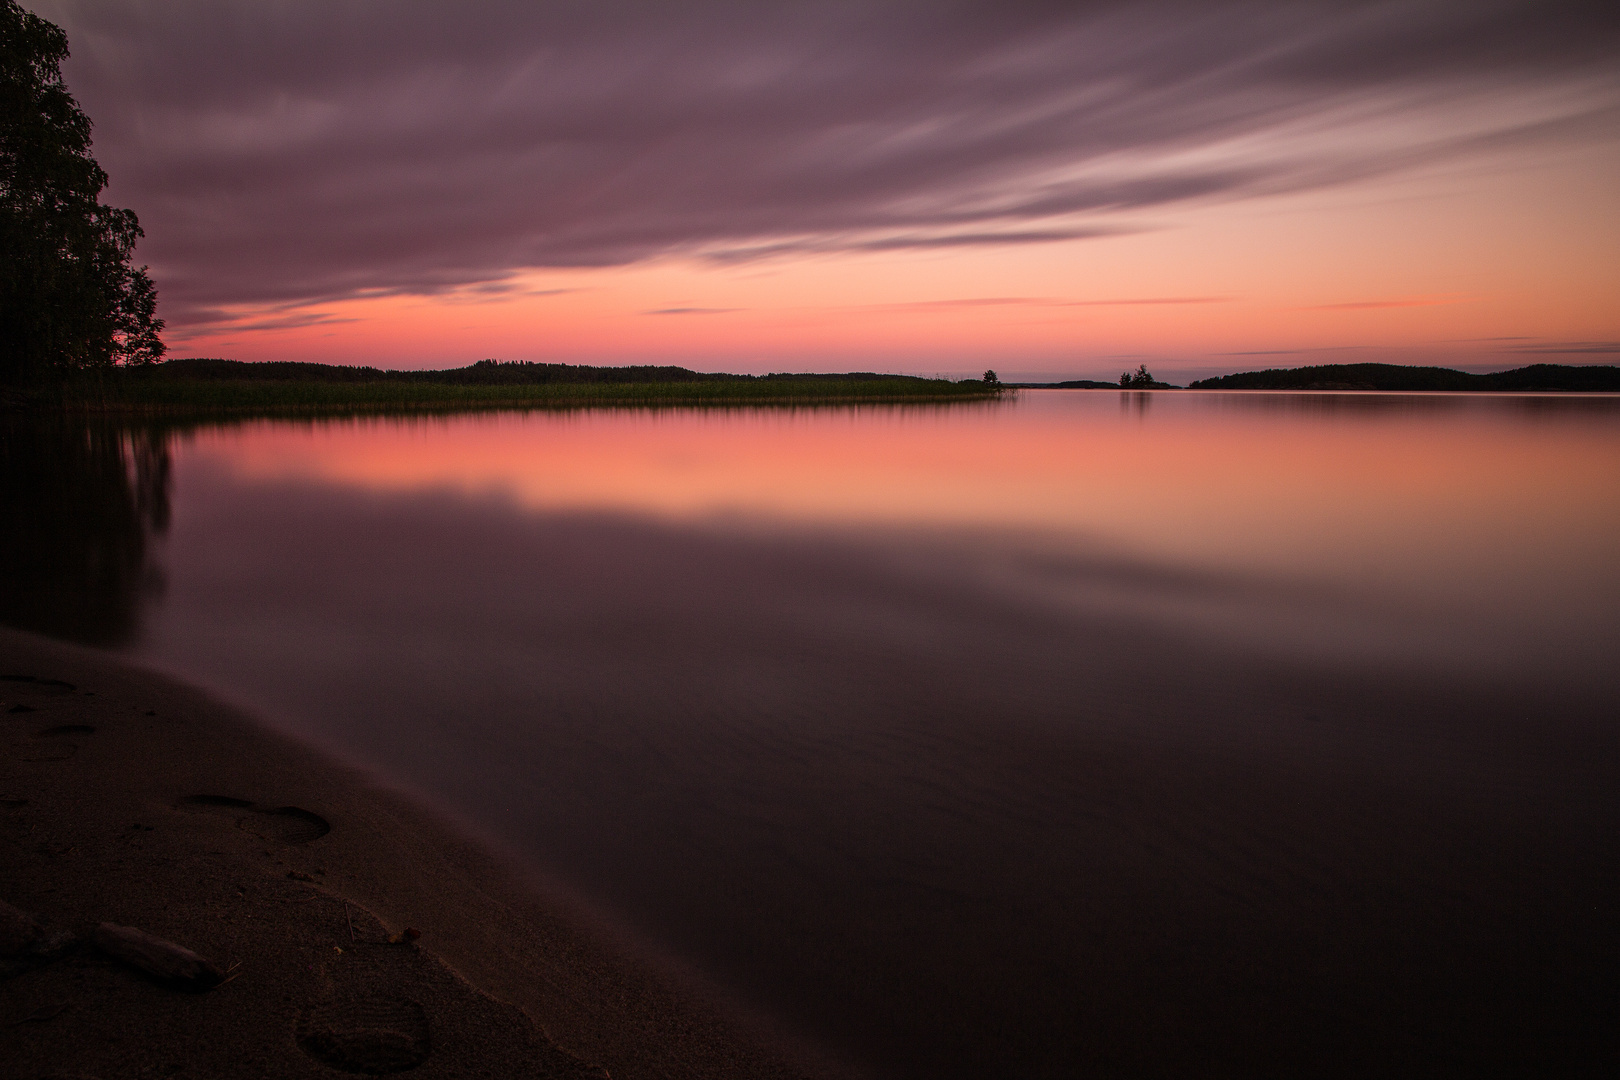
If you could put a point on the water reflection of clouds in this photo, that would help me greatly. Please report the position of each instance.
(1194, 481)
(1305, 537)
(1416, 514)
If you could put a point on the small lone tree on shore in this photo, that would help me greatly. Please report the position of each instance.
(69, 298)
(1138, 379)
(991, 378)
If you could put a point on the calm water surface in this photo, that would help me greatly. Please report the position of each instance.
(1137, 734)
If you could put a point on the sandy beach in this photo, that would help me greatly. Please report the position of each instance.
(130, 799)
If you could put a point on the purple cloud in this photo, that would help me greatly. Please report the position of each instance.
(288, 153)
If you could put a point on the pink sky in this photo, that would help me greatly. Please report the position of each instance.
(894, 187)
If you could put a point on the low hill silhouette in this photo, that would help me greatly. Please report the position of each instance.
(1398, 377)
(483, 373)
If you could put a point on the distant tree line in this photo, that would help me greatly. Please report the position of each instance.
(1397, 377)
(69, 297)
(484, 373)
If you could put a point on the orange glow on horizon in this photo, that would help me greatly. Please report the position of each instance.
(1456, 269)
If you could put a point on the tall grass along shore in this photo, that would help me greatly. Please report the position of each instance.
(233, 386)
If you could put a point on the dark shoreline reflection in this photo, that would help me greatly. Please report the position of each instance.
(1369, 403)
(1135, 402)
(81, 500)
(84, 497)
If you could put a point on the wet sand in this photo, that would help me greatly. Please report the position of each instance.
(128, 798)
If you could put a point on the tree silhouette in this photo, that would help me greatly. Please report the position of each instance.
(69, 298)
(991, 378)
(1138, 379)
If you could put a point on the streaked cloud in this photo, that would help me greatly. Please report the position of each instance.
(1568, 348)
(1047, 301)
(310, 151)
(1400, 302)
(294, 321)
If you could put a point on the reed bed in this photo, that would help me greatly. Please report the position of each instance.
(258, 395)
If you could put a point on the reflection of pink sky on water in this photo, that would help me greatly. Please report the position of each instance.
(1059, 738)
(1453, 496)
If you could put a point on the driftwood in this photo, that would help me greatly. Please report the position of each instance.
(157, 957)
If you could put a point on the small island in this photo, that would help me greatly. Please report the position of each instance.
(1140, 379)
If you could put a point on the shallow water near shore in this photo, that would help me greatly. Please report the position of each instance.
(1133, 733)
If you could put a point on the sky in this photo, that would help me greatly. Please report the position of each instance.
(1055, 190)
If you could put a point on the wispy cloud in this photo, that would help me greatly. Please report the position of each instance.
(909, 242)
(1401, 302)
(691, 311)
(280, 322)
(1150, 300)
(1571, 348)
(1295, 352)
(1046, 302)
(970, 302)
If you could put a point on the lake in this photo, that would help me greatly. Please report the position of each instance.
(1085, 731)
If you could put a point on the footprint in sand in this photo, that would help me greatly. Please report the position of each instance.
(65, 729)
(287, 824)
(192, 802)
(31, 684)
(55, 685)
(50, 744)
(47, 752)
(361, 1023)
(374, 1035)
(282, 824)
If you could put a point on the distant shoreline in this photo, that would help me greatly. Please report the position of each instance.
(1396, 378)
(210, 387)
(230, 386)
(1536, 377)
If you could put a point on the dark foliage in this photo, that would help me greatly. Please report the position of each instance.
(1396, 377)
(69, 298)
(1139, 379)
